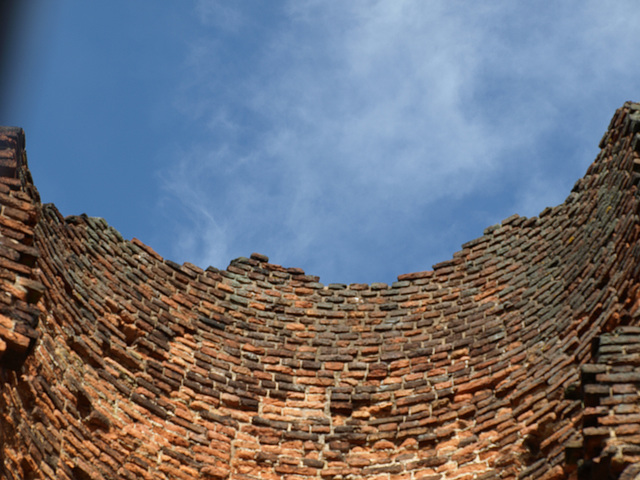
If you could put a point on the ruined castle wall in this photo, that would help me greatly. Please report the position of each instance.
(149, 369)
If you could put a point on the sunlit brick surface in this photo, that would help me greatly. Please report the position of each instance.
(518, 358)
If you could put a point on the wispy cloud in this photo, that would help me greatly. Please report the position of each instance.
(342, 124)
(219, 14)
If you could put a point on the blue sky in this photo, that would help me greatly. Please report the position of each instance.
(357, 140)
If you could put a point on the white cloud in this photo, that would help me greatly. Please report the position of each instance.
(205, 238)
(349, 119)
(219, 14)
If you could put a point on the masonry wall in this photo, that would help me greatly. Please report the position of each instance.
(143, 368)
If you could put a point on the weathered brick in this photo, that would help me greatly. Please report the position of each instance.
(485, 366)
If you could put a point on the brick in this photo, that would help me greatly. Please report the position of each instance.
(521, 347)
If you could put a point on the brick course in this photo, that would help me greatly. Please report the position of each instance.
(517, 358)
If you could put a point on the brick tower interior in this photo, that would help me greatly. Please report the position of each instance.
(517, 358)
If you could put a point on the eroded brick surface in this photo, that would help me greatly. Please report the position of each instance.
(517, 358)
(20, 289)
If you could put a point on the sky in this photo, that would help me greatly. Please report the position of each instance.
(357, 140)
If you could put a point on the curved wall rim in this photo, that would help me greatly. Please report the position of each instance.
(143, 368)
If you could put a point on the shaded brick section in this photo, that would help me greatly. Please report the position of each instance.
(610, 436)
(20, 291)
(514, 359)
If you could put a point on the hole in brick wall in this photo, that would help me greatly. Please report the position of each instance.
(97, 421)
(83, 404)
(589, 421)
(78, 473)
(595, 346)
(14, 361)
(573, 392)
(28, 471)
(625, 320)
(27, 397)
(532, 444)
(533, 440)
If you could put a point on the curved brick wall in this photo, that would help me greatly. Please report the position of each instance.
(518, 358)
